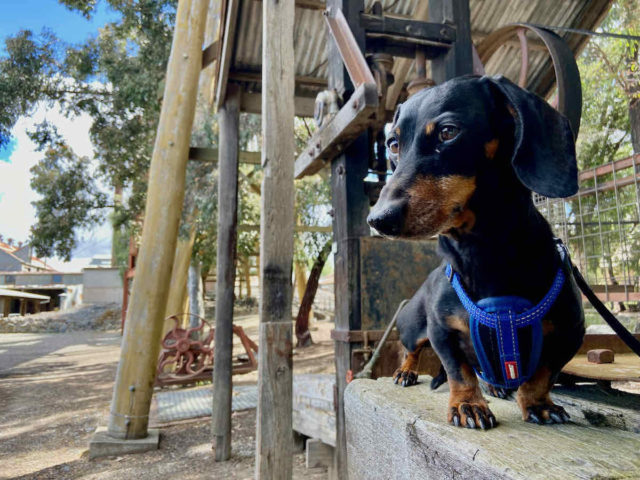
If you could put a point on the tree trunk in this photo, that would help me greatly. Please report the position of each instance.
(302, 320)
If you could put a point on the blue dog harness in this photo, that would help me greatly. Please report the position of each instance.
(506, 332)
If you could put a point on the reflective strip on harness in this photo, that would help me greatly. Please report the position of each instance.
(506, 332)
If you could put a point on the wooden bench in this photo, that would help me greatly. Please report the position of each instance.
(395, 433)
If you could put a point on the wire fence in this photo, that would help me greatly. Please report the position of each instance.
(600, 226)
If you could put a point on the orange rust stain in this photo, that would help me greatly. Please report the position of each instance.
(397, 130)
(490, 148)
(512, 111)
(535, 391)
(437, 204)
(430, 128)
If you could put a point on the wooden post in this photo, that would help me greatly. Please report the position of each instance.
(177, 301)
(247, 275)
(196, 291)
(274, 434)
(459, 60)
(351, 206)
(133, 388)
(228, 118)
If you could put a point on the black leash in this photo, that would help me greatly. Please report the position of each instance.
(627, 337)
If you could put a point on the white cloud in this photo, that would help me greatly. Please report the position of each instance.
(16, 212)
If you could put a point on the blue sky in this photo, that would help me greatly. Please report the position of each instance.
(37, 14)
(16, 211)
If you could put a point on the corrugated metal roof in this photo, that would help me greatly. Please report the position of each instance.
(7, 293)
(486, 16)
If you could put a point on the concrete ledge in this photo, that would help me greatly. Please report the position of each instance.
(400, 433)
(102, 445)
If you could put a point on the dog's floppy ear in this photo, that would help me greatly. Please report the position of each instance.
(544, 154)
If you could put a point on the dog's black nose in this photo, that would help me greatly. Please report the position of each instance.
(387, 221)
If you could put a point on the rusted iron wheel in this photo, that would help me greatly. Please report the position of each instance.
(569, 90)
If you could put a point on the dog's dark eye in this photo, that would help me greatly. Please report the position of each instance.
(448, 132)
(392, 145)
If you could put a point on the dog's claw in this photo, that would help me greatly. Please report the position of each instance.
(533, 418)
(546, 414)
(492, 421)
(472, 416)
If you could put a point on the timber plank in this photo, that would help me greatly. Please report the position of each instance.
(392, 435)
(352, 119)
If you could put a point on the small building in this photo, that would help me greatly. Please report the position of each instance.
(19, 258)
(21, 303)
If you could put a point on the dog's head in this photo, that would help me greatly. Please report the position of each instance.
(444, 140)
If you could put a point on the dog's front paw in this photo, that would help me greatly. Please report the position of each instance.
(472, 415)
(406, 378)
(544, 414)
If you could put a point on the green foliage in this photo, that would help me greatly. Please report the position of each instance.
(70, 196)
(115, 78)
(610, 82)
(609, 72)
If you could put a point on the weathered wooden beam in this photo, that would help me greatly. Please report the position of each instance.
(226, 51)
(177, 300)
(458, 60)
(274, 433)
(352, 119)
(401, 66)
(200, 154)
(351, 206)
(229, 117)
(129, 417)
(318, 454)
(403, 434)
(297, 228)
(210, 54)
(252, 103)
(244, 76)
(310, 4)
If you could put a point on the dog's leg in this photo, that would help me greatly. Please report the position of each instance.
(407, 374)
(467, 406)
(535, 402)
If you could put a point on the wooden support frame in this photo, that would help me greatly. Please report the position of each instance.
(252, 103)
(351, 206)
(229, 118)
(200, 154)
(274, 433)
(129, 414)
(352, 119)
(459, 59)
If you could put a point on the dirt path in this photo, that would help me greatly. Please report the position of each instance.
(56, 388)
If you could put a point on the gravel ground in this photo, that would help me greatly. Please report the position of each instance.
(55, 389)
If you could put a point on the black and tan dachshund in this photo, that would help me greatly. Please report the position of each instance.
(466, 156)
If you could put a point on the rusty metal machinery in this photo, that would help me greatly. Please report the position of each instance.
(569, 90)
(187, 353)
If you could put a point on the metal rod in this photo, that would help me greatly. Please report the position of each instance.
(367, 371)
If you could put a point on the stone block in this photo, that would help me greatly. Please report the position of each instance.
(102, 445)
